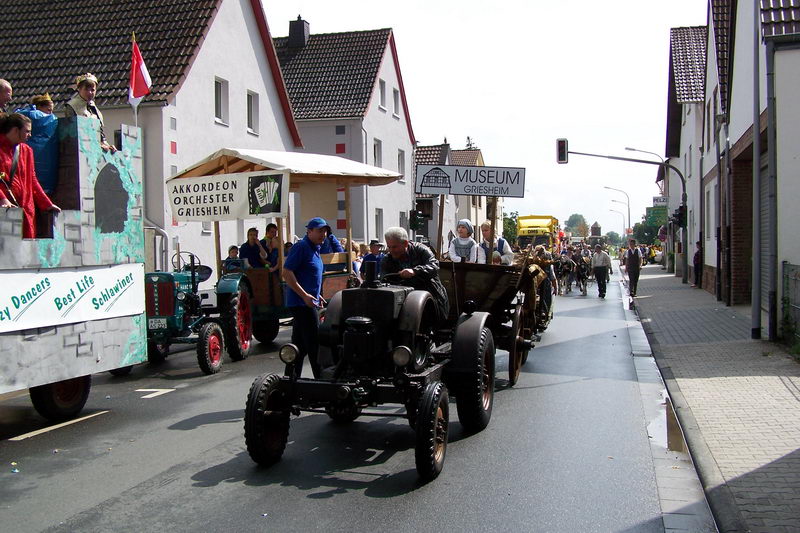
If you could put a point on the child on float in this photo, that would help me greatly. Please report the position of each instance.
(464, 249)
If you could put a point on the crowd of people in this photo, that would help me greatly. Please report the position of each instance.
(29, 148)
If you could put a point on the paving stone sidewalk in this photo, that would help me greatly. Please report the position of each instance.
(738, 401)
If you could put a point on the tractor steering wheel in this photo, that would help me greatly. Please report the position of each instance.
(393, 275)
(182, 261)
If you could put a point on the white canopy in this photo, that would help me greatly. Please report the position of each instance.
(303, 167)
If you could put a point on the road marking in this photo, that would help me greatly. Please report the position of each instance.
(61, 425)
(155, 392)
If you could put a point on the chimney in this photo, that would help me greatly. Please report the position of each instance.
(298, 33)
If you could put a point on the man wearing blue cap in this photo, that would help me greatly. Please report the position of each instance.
(302, 272)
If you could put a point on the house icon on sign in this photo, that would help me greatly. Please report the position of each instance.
(436, 178)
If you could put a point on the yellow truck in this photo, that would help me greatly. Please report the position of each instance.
(537, 229)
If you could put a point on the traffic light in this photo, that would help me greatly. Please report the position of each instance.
(562, 151)
(417, 220)
(679, 217)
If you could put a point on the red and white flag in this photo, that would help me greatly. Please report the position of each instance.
(140, 82)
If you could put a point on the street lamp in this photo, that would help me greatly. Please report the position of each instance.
(623, 223)
(629, 212)
(666, 169)
(628, 203)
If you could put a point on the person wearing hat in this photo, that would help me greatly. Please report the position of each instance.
(82, 105)
(464, 249)
(302, 272)
(375, 255)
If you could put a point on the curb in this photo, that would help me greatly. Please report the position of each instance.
(720, 499)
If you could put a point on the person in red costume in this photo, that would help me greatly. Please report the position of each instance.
(18, 184)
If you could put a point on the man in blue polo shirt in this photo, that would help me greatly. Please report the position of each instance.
(302, 272)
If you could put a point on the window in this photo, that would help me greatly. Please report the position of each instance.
(341, 148)
(377, 153)
(689, 175)
(708, 126)
(404, 220)
(252, 112)
(396, 99)
(173, 123)
(708, 213)
(379, 222)
(382, 94)
(206, 226)
(401, 164)
(340, 130)
(173, 169)
(221, 101)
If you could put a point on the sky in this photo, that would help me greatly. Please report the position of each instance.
(516, 75)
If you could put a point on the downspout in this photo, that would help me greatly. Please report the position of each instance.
(366, 190)
(755, 289)
(718, 288)
(772, 198)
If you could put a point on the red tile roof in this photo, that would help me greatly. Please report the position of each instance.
(688, 55)
(780, 17)
(46, 43)
(435, 154)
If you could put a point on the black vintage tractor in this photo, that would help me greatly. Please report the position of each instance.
(381, 344)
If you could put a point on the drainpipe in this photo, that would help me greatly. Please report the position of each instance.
(718, 288)
(366, 191)
(755, 289)
(772, 199)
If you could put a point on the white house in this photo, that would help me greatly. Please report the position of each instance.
(216, 83)
(348, 99)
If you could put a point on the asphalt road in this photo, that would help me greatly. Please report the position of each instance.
(566, 450)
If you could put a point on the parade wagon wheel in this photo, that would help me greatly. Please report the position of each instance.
(61, 400)
(518, 352)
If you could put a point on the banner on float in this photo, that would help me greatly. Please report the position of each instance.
(229, 196)
(50, 297)
(470, 180)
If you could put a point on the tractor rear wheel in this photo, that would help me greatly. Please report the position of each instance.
(237, 324)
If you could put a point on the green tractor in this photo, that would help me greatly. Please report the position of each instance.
(175, 313)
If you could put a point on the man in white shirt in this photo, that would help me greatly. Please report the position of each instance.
(601, 266)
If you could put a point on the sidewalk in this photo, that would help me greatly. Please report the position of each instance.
(738, 401)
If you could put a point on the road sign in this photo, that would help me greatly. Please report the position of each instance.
(464, 180)
(659, 201)
(656, 216)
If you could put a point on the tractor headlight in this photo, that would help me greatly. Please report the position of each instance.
(401, 355)
(181, 296)
(288, 353)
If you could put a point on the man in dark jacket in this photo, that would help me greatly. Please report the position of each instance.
(416, 265)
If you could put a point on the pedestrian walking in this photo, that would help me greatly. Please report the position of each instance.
(633, 265)
(601, 266)
(697, 265)
(302, 272)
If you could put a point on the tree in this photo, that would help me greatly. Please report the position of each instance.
(582, 229)
(510, 227)
(613, 238)
(573, 222)
(645, 234)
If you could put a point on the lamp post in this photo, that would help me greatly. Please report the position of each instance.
(629, 213)
(666, 169)
(623, 223)
(627, 202)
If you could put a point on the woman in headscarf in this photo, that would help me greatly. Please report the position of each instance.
(464, 249)
(43, 140)
(82, 105)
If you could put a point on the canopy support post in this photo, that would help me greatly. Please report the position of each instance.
(439, 237)
(349, 228)
(493, 211)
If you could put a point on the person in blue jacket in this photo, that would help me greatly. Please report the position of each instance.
(302, 272)
(375, 255)
(43, 140)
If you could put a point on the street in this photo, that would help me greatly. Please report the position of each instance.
(567, 449)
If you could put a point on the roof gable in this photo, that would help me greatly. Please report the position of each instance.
(436, 154)
(467, 157)
(334, 75)
(46, 43)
